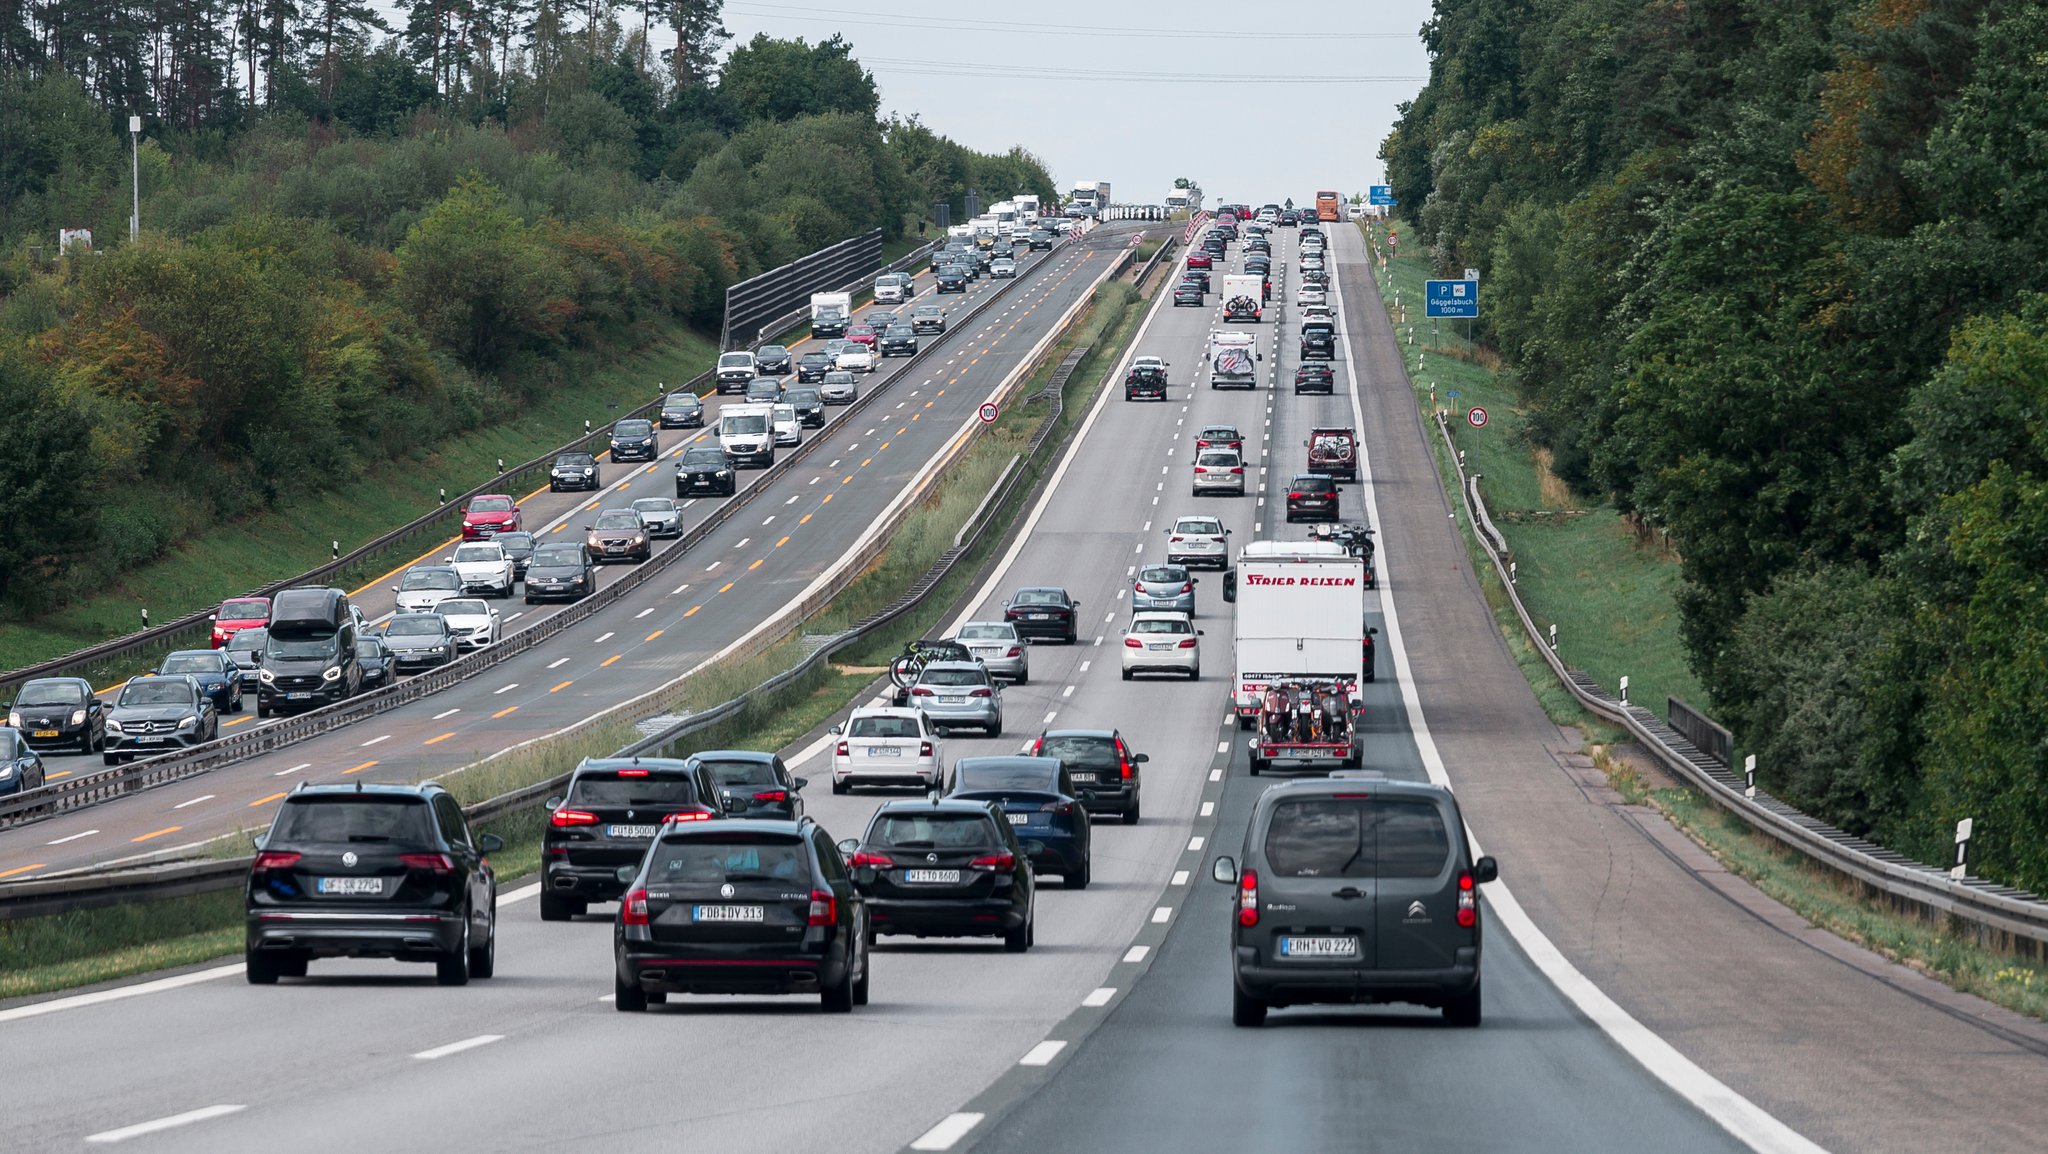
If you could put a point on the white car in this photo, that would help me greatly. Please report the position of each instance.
(1198, 541)
(734, 371)
(887, 745)
(662, 516)
(1218, 470)
(1162, 643)
(855, 358)
(425, 586)
(1317, 313)
(484, 567)
(789, 430)
(473, 623)
(1310, 294)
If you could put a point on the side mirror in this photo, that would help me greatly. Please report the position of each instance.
(1230, 583)
(836, 730)
(490, 843)
(552, 804)
(1372, 630)
(257, 840)
(1485, 870)
(211, 617)
(1140, 758)
(448, 560)
(394, 588)
(149, 673)
(1225, 871)
(1201, 633)
(849, 846)
(494, 612)
(799, 783)
(626, 874)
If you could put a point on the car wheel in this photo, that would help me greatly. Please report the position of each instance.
(260, 968)
(996, 730)
(628, 999)
(1245, 1010)
(841, 787)
(1463, 1010)
(292, 965)
(838, 999)
(452, 968)
(111, 758)
(1072, 637)
(1131, 814)
(1018, 940)
(1195, 674)
(1258, 766)
(483, 960)
(1127, 675)
(1078, 880)
(555, 908)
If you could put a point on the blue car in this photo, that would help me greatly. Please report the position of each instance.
(218, 675)
(1038, 798)
(20, 767)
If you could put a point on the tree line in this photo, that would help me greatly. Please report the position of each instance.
(1770, 274)
(358, 240)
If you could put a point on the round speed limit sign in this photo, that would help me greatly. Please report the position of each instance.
(1477, 416)
(987, 412)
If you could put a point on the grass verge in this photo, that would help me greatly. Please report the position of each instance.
(42, 955)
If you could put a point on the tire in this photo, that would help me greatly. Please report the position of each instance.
(867, 961)
(1195, 674)
(1131, 814)
(529, 600)
(1019, 940)
(237, 704)
(1024, 678)
(483, 960)
(838, 999)
(555, 908)
(452, 968)
(1258, 766)
(1073, 638)
(262, 710)
(1079, 881)
(628, 999)
(1244, 724)
(1127, 675)
(841, 787)
(260, 968)
(996, 730)
(111, 758)
(1246, 1011)
(292, 966)
(1463, 1011)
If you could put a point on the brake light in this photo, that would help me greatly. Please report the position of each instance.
(633, 909)
(1188, 588)
(1176, 536)
(824, 908)
(921, 691)
(1038, 745)
(924, 749)
(842, 750)
(564, 818)
(274, 859)
(1016, 651)
(632, 773)
(1188, 644)
(1295, 496)
(865, 859)
(984, 691)
(1238, 469)
(439, 863)
(1468, 902)
(995, 863)
(1057, 807)
(775, 795)
(1133, 643)
(1248, 899)
(1125, 764)
(689, 815)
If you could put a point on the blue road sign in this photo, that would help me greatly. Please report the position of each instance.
(1450, 298)
(1380, 194)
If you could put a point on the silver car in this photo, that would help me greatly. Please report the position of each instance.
(996, 645)
(959, 693)
(1194, 540)
(1219, 471)
(1168, 587)
(662, 516)
(839, 388)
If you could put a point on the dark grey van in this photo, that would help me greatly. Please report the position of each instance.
(1355, 889)
(309, 651)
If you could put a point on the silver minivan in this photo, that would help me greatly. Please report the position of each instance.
(1355, 889)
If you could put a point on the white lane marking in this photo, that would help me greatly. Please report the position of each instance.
(1742, 1118)
(118, 993)
(1131, 572)
(293, 769)
(1208, 808)
(194, 801)
(643, 613)
(1161, 915)
(710, 567)
(375, 740)
(1180, 877)
(1195, 843)
(1084, 666)
(1215, 775)
(456, 710)
(202, 1114)
(602, 640)
(519, 895)
(948, 1132)
(834, 464)
(1043, 1053)
(72, 837)
(1099, 996)
(1119, 595)
(769, 521)
(1098, 639)
(515, 617)
(678, 589)
(1050, 716)
(1223, 747)
(558, 663)
(1136, 954)
(458, 1047)
(1067, 692)
(793, 498)
(743, 543)
(1148, 527)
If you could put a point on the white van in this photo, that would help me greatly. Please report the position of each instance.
(892, 288)
(747, 434)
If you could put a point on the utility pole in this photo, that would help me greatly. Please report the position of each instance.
(135, 176)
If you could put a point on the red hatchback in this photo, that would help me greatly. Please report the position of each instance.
(238, 614)
(1200, 260)
(490, 515)
(862, 334)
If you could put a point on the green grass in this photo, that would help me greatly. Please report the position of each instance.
(274, 545)
(1578, 564)
(61, 951)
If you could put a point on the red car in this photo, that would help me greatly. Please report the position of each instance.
(238, 614)
(490, 515)
(1200, 260)
(862, 334)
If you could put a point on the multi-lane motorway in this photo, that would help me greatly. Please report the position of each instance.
(1637, 998)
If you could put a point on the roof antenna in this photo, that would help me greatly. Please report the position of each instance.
(359, 785)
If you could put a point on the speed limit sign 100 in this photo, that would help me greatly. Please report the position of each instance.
(987, 412)
(1477, 416)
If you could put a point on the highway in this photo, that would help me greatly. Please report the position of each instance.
(1606, 938)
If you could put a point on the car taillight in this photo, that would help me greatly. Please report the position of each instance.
(439, 863)
(1238, 469)
(1133, 643)
(1016, 651)
(1468, 902)
(1248, 899)
(824, 908)
(274, 859)
(690, 815)
(842, 750)
(995, 863)
(865, 859)
(1124, 763)
(924, 749)
(774, 795)
(984, 691)
(1013, 613)
(633, 908)
(1188, 588)
(1293, 495)
(1057, 807)
(1038, 746)
(921, 691)
(1189, 643)
(564, 818)
(632, 773)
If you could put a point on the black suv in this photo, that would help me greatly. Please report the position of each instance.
(1318, 341)
(635, 440)
(55, 712)
(741, 907)
(1100, 767)
(607, 818)
(951, 279)
(372, 871)
(574, 471)
(899, 340)
(945, 868)
(1355, 889)
(1315, 377)
(1312, 496)
(813, 367)
(752, 784)
(706, 469)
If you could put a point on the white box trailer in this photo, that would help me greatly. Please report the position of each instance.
(1233, 360)
(1300, 620)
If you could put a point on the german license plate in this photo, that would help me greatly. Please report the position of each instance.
(1160, 645)
(932, 877)
(615, 548)
(149, 741)
(47, 732)
(1291, 947)
(727, 913)
(881, 751)
(952, 700)
(302, 695)
(1038, 616)
(1083, 778)
(631, 830)
(350, 886)
(1020, 818)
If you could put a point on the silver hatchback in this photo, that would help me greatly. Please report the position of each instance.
(1168, 587)
(838, 388)
(999, 649)
(959, 693)
(1219, 471)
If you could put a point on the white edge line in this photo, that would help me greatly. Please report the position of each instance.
(118, 993)
(948, 1132)
(187, 1118)
(458, 1047)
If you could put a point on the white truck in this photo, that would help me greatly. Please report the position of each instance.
(1244, 296)
(747, 434)
(1300, 627)
(1088, 198)
(1233, 360)
(830, 313)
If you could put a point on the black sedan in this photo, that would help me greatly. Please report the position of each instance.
(741, 907)
(949, 869)
(813, 367)
(809, 405)
(376, 663)
(60, 713)
(752, 784)
(1042, 806)
(156, 715)
(706, 469)
(245, 649)
(20, 767)
(1315, 377)
(1187, 293)
(519, 548)
(560, 571)
(217, 674)
(772, 361)
(899, 340)
(684, 410)
(1045, 612)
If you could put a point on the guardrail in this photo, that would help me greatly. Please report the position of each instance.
(750, 303)
(85, 789)
(438, 524)
(1999, 916)
(84, 891)
(802, 312)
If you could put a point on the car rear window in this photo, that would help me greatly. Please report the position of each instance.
(742, 772)
(728, 858)
(1413, 842)
(882, 727)
(988, 633)
(1085, 752)
(1315, 484)
(356, 817)
(1160, 625)
(632, 788)
(934, 831)
(1321, 838)
(953, 677)
(1194, 526)
(1162, 573)
(1010, 776)
(1222, 458)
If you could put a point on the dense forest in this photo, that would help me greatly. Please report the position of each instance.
(359, 237)
(1769, 274)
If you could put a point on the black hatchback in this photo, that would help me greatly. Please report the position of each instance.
(741, 907)
(706, 469)
(58, 713)
(683, 410)
(951, 279)
(560, 570)
(1100, 766)
(1312, 496)
(1315, 377)
(1042, 807)
(813, 367)
(574, 471)
(752, 784)
(1044, 612)
(606, 818)
(371, 871)
(947, 869)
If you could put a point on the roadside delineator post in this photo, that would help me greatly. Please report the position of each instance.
(1624, 689)
(1961, 869)
(335, 546)
(1553, 638)
(1749, 773)
(1511, 572)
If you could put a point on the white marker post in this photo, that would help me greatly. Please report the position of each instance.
(1749, 772)
(1624, 689)
(1511, 572)
(1961, 869)
(1553, 638)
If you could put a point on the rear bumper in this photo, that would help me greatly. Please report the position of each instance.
(591, 883)
(1054, 855)
(358, 935)
(684, 971)
(894, 775)
(1049, 630)
(943, 918)
(1310, 983)
(1116, 798)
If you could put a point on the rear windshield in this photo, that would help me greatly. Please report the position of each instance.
(1191, 526)
(1040, 597)
(953, 677)
(611, 788)
(1222, 457)
(558, 555)
(1085, 752)
(1357, 837)
(1160, 625)
(934, 831)
(987, 633)
(1314, 484)
(703, 860)
(741, 772)
(362, 817)
(1005, 777)
(882, 727)
(243, 610)
(1162, 573)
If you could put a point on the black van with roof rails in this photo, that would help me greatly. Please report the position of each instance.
(309, 651)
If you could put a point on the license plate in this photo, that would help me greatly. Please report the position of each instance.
(932, 877)
(47, 733)
(952, 700)
(727, 913)
(1038, 616)
(615, 548)
(350, 886)
(149, 741)
(553, 588)
(1318, 947)
(978, 651)
(1019, 819)
(881, 751)
(1160, 645)
(631, 830)
(1083, 778)
(302, 695)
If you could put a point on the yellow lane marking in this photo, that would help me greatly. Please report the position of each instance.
(806, 519)
(235, 722)
(265, 800)
(827, 500)
(504, 711)
(863, 464)
(754, 566)
(655, 634)
(692, 610)
(358, 769)
(848, 479)
(158, 833)
(609, 660)
(901, 431)
(785, 540)
(56, 775)
(886, 444)
(20, 870)
(436, 740)
(562, 686)
(726, 586)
